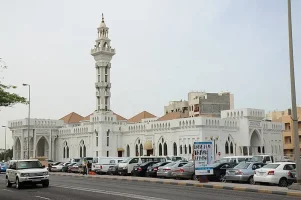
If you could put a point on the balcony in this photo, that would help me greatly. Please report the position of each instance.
(102, 84)
(102, 50)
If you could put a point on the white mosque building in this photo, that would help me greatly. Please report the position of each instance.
(104, 133)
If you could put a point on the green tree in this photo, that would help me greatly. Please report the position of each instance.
(8, 99)
(8, 154)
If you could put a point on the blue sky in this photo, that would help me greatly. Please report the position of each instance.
(164, 50)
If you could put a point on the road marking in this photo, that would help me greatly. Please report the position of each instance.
(42, 197)
(134, 196)
(7, 190)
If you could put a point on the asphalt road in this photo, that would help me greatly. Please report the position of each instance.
(78, 188)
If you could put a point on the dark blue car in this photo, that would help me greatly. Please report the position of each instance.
(3, 167)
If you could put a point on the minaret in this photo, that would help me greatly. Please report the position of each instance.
(103, 53)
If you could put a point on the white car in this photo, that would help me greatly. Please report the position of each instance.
(21, 172)
(274, 173)
(59, 167)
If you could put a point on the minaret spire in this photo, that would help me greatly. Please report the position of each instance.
(103, 19)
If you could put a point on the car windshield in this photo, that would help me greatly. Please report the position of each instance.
(126, 160)
(257, 159)
(242, 165)
(224, 160)
(271, 166)
(170, 164)
(28, 164)
(189, 165)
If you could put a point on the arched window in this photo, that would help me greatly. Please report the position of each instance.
(80, 152)
(128, 151)
(181, 150)
(64, 153)
(227, 148)
(165, 149)
(67, 152)
(174, 149)
(84, 150)
(141, 150)
(258, 149)
(263, 150)
(108, 138)
(137, 152)
(189, 149)
(185, 149)
(160, 149)
(231, 148)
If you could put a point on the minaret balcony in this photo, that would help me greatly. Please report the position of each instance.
(102, 50)
(102, 84)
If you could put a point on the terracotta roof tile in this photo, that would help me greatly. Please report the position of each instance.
(87, 117)
(140, 116)
(72, 118)
(119, 118)
(173, 115)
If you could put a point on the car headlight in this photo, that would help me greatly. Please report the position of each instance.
(24, 175)
(45, 173)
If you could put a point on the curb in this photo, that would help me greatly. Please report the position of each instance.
(201, 185)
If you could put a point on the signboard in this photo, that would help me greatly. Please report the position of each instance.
(203, 158)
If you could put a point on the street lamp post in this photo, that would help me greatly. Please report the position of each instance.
(28, 123)
(4, 141)
(293, 95)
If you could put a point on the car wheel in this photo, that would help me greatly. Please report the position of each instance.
(283, 182)
(222, 178)
(251, 180)
(7, 182)
(18, 184)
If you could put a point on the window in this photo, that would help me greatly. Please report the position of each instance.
(96, 153)
(106, 78)
(112, 162)
(67, 152)
(227, 148)
(107, 153)
(160, 149)
(141, 150)
(189, 149)
(289, 167)
(64, 152)
(181, 151)
(174, 149)
(185, 149)
(165, 149)
(108, 138)
(271, 166)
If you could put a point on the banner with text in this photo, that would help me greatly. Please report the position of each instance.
(203, 158)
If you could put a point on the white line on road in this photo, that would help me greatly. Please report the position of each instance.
(42, 197)
(7, 190)
(134, 196)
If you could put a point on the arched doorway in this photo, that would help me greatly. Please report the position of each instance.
(17, 149)
(255, 142)
(42, 148)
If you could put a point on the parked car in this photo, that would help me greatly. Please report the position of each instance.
(166, 170)
(243, 172)
(113, 170)
(292, 177)
(219, 171)
(185, 172)
(152, 170)
(274, 173)
(3, 167)
(263, 158)
(140, 170)
(66, 167)
(74, 168)
(59, 167)
(52, 164)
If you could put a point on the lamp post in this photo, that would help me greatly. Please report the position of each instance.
(293, 95)
(4, 142)
(28, 123)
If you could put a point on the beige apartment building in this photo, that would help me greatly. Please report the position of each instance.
(202, 104)
(288, 138)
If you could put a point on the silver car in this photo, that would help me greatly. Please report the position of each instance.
(243, 172)
(185, 172)
(166, 170)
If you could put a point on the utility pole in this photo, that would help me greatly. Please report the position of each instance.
(293, 96)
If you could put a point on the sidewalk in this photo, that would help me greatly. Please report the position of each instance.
(216, 185)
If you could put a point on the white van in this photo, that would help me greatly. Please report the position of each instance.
(74, 160)
(263, 158)
(235, 159)
(125, 167)
(100, 165)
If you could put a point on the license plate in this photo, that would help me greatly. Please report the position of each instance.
(36, 180)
